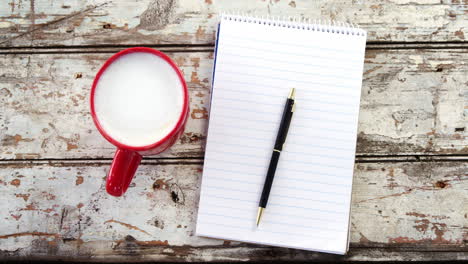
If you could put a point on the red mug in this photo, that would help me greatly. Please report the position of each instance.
(127, 158)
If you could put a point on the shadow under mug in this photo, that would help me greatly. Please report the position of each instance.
(127, 158)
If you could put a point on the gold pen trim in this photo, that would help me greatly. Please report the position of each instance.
(259, 214)
(277, 150)
(292, 93)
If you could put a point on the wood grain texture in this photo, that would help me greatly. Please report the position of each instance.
(60, 210)
(102, 22)
(413, 102)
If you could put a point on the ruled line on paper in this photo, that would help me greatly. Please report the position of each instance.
(350, 131)
(316, 187)
(285, 160)
(299, 118)
(279, 213)
(284, 79)
(295, 188)
(303, 154)
(304, 141)
(334, 76)
(300, 113)
(261, 176)
(227, 125)
(266, 101)
(310, 55)
(301, 110)
(320, 228)
(348, 69)
(270, 145)
(305, 99)
(247, 136)
(263, 85)
(277, 195)
(303, 180)
(281, 167)
(315, 118)
(230, 38)
(260, 230)
(291, 169)
(277, 205)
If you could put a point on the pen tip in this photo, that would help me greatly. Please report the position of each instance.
(292, 93)
(259, 215)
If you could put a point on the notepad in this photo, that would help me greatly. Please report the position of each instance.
(257, 62)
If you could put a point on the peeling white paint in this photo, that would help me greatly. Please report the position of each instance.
(404, 100)
(384, 20)
(392, 203)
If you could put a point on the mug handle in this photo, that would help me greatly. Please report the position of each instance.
(122, 170)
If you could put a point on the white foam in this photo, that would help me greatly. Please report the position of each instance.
(138, 99)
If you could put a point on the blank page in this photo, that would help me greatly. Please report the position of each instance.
(257, 63)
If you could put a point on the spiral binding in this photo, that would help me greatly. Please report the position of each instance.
(299, 23)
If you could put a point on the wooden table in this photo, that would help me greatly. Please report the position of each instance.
(410, 197)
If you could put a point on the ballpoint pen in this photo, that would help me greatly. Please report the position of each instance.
(280, 140)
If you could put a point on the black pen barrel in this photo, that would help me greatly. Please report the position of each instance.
(280, 139)
(269, 179)
(284, 125)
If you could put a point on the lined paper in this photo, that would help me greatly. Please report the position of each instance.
(256, 66)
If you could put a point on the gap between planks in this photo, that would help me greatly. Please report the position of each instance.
(199, 160)
(208, 47)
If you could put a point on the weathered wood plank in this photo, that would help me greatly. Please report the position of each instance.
(47, 104)
(60, 210)
(142, 253)
(102, 22)
(413, 102)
